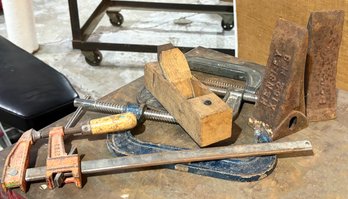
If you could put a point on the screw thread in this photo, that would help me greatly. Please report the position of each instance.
(220, 84)
(112, 108)
(159, 116)
(98, 106)
(220, 88)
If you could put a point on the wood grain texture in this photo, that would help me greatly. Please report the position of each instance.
(257, 19)
(177, 71)
(205, 117)
(113, 123)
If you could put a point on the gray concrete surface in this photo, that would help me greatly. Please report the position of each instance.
(117, 68)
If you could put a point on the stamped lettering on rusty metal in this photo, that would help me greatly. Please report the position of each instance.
(271, 93)
(282, 91)
(325, 35)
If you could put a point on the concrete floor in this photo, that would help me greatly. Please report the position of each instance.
(117, 68)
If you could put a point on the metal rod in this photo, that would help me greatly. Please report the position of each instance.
(185, 156)
(92, 22)
(73, 130)
(74, 20)
(6, 138)
(174, 7)
(90, 46)
(76, 117)
(70, 128)
(106, 107)
(222, 92)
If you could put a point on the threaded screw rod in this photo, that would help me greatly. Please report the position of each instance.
(222, 92)
(106, 107)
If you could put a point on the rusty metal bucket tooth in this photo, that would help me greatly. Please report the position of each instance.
(325, 34)
(280, 106)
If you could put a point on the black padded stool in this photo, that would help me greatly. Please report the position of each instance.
(32, 94)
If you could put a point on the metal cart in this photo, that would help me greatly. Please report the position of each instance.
(91, 49)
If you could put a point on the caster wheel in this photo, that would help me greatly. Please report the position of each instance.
(226, 26)
(93, 58)
(116, 19)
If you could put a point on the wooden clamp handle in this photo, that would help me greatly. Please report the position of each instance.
(113, 123)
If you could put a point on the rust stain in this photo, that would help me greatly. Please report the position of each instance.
(58, 161)
(280, 106)
(17, 162)
(325, 35)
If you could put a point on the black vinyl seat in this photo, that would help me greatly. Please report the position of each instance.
(32, 94)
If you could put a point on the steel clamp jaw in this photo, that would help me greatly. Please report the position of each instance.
(58, 161)
(17, 163)
(219, 64)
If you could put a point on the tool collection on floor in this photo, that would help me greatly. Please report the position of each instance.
(284, 95)
(16, 172)
(249, 169)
